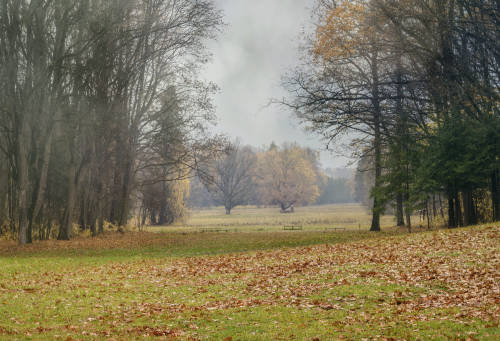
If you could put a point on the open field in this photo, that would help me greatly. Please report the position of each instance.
(286, 286)
(350, 216)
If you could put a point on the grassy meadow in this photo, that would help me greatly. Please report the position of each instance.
(260, 283)
(352, 217)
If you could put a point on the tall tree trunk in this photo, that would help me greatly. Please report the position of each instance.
(458, 210)
(451, 212)
(101, 222)
(65, 231)
(143, 217)
(41, 189)
(399, 210)
(125, 196)
(495, 194)
(4, 194)
(162, 219)
(441, 206)
(402, 135)
(434, 208)
(407, 208)
(377, 143)
(93, 225)
(470, 215)
(23, 183)
(408, 219)
(428, 211)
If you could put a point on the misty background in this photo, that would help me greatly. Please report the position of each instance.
(258, 45)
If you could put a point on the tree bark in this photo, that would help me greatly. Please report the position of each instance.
(451, 212)
(65, 230)
(375, 226)
(428, 211)
(408, 219)
(125, 197)
(441, 206)
(399, 210)
(458, 211)
(434, 208)
(22, 164)
(495, 195)
(470, 215)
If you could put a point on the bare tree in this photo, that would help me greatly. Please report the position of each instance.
(231, 178)
(340, 89)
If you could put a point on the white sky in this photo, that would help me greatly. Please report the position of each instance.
(258, 45)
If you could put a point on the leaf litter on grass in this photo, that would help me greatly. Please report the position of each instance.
(445, 275)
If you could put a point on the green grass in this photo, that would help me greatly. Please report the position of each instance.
(255, 286)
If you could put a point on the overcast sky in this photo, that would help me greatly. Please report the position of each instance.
(258, 45)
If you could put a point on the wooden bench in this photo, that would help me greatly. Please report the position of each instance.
(292, 228)
(213, 230)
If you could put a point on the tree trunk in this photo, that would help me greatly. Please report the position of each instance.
(143, 217)
(4, 196)
(402, 132)
(228, 210)
(42, 181)
(124, 207)
(408, 209)
(65, 231)
(22, 164)
(451, 212)
(441, 206)
(495, 195)
(93, 225)
(101, 223)
(284, 207)
(458, 211)
(434, 208)
(408, 220)
(428, 211)
(470, 213)
(49, 229)
(163, 202)
(377, 204)
(399, 210)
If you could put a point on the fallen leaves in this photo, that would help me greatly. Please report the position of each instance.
(408, 276)
(153, 331)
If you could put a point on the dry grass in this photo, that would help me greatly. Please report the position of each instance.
(348, 216)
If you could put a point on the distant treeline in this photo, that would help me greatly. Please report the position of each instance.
(416, 87)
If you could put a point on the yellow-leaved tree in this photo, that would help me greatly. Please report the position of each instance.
(342, 90)
(344, 32)
(287, 176)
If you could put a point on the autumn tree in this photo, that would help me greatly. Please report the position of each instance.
(340, 90)
(287, 177)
